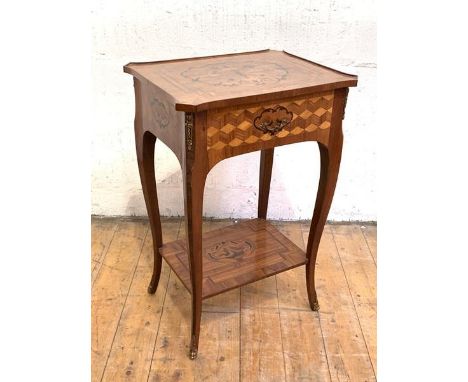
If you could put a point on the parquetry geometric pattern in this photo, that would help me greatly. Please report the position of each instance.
(243, 253)
(233, 127)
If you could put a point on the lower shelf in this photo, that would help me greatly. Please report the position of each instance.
(236, 255)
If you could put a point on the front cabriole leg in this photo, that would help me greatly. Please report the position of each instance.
(195, 172)
(330, 158)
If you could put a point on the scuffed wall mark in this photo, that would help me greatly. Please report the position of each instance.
(370, 65)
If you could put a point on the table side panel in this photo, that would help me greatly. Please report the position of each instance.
(161, 118)
(231, 131)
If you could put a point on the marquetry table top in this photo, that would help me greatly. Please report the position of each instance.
(203, 83)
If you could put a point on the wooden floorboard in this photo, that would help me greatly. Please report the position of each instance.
(263, 331)
(110, 290)
(219, 339)
(102, 233)
(345, 346)
(132, 350)
(302, 336)
(360, 271)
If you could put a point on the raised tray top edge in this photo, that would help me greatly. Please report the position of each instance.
(265, 76)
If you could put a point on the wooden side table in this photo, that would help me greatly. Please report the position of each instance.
(212, 108)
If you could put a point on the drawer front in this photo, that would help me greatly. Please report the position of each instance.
(234, 131)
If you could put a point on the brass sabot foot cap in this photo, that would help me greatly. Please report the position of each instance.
(193, 353)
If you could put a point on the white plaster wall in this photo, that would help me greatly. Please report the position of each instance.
(341, 34)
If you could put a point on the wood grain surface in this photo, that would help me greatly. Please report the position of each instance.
(345, 345)
(236, 255)
(231, 131)
(361, 275)
(263, 331)
(235, 104)
(111, 288)
(204, 83)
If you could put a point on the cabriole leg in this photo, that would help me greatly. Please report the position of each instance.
(330, 157)
(194, 186)
(145, 144)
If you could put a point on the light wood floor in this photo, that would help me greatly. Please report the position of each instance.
(261, 332)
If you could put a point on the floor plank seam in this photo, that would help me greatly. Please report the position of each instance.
(240, 334)
(159, 325)
(102, 257)
(220, 311)
(281, 328)
(125, 302)
(285, 308)
(324, 346)
(368, 246)
(319, 317)
(162, 310)
(352, 299)
(282, 309)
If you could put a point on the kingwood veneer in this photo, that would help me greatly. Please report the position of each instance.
(211, 108)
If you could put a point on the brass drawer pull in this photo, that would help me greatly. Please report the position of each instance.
(273, 120)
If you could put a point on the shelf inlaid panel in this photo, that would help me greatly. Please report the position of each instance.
(236, 255)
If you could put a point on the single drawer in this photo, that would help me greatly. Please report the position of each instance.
(238, 130)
